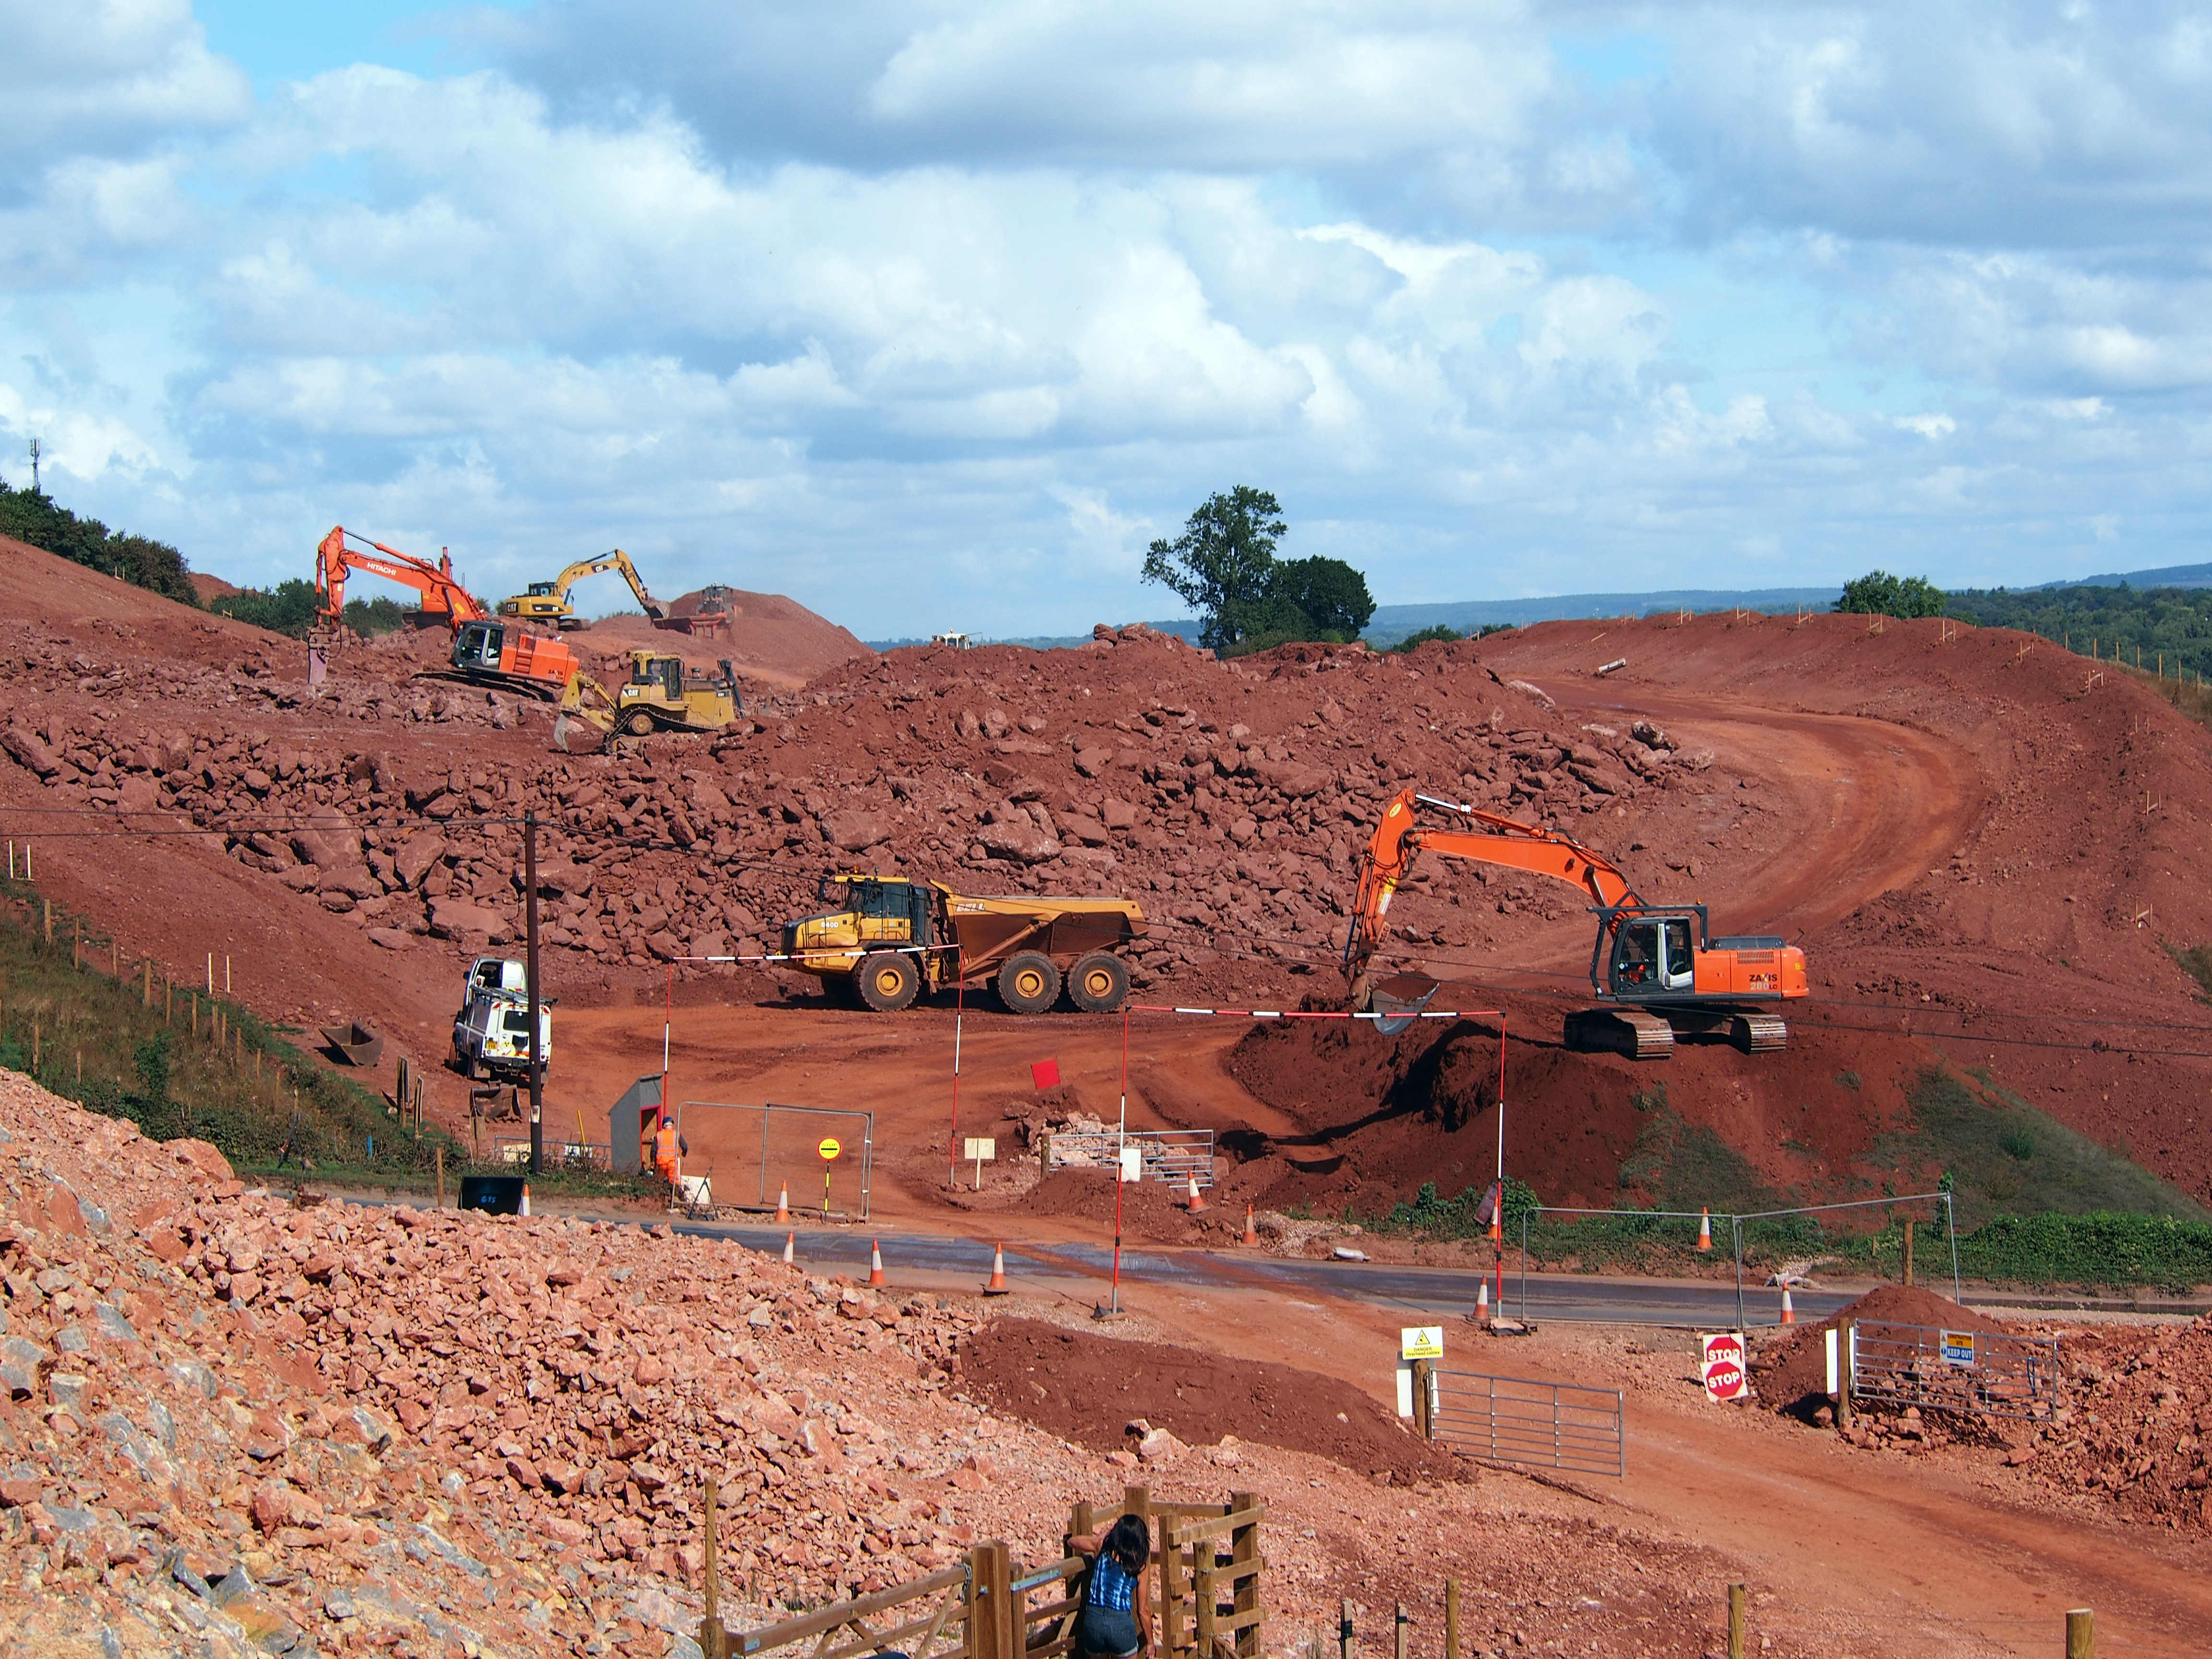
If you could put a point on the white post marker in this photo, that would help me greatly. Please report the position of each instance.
(1721, 1366)
(979, 1147)
(1835, 1383)
(1133, 1164)
(1415, 1342)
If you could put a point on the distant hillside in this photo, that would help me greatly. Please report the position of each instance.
(1393, 622)
(2172, 575)
(2169, 629)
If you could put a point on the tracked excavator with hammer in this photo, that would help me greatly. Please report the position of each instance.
(1655, 967)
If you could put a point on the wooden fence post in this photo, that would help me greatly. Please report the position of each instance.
(1845, 1327)
(714, 1635)
(1344, 1642)
(1451, 1618)
(1736, 1622)
(1244, 1556)
(1424, 1409)
(991, 1603)
(1908, 1254)
(1404, 1628)
(2081, 1634)
(441, 1152)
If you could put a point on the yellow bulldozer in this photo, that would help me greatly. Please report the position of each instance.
(658, 696)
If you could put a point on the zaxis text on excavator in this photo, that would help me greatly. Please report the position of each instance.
(1657, 965)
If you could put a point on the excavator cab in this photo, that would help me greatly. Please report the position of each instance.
(542, 590)
(664, 674)
(1653, 956)
(478, 646)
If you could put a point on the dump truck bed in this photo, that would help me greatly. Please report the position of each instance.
(989, 927)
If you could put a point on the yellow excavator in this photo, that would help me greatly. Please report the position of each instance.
(549, 601)
(658, 696)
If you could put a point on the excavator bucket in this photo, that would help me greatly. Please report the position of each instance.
(1400, 1000)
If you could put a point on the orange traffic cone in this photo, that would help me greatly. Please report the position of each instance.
(875, 1263)
(1789, 1313)
(998, 1285)
(1704, 1229)
(1197, 1201)
(783, 1205)
(788, 1240)
(1482, 1303)
(525, 1210)
(1251, 1234)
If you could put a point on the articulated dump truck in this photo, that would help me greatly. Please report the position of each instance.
(889, 936)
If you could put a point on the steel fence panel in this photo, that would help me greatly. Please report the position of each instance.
(1979, 1372)
(1512, 1419)
(1176, 1156)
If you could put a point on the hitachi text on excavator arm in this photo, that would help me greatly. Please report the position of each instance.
(440, 593)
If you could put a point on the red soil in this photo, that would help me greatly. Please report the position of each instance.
(1916, 813)
(1089, 1389)
(771, 639)
(1789, 1371)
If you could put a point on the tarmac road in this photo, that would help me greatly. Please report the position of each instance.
(1431, 1292)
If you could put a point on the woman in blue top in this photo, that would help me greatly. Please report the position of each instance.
(1116, 1620)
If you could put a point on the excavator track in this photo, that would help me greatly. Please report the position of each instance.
(1760, 1034)
(1629, 1031)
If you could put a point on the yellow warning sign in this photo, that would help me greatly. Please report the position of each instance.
(828, 1148)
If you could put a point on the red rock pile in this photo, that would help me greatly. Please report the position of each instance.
(249, 1426)
(1239, 792)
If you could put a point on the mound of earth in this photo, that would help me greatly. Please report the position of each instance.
(1090, 1389)
(1151, 1212)
(1791, 1372)
(768, 638)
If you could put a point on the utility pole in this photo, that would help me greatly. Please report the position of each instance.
(35, 491)
(530, 924)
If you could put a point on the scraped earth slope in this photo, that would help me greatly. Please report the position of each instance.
(1919, 812)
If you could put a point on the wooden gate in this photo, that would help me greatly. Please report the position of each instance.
(1208, 1556)
(983, 1608)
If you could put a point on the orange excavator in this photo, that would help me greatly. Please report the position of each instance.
(485, 652)
(1657, 966)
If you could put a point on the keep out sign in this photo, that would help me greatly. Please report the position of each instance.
(1721, 1365)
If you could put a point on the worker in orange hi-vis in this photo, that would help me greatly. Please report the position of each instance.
(664, 1149)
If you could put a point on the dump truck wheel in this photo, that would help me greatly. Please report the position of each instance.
(1099, 983)
(887, 982)
(1029, 983)
(639, 725)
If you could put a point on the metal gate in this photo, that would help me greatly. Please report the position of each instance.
(1177, 1157)
(771, 1113)
(1512, 1419)
(1938, 1370)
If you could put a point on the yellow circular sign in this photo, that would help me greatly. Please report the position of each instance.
(828, 1148)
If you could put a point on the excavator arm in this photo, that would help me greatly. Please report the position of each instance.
(1399, 839)
(434, 582)
(550, 599)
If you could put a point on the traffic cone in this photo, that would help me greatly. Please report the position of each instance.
(875, 1263)
(525, 1210)
(998, 1285)
(1482, 1303)
(1789, 1313)
(1197, 1201)
(783, 1205)
(1704, 1229)
(788, 1239)
(1251, 1234)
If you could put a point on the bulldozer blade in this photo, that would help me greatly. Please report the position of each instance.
(1399, 1001)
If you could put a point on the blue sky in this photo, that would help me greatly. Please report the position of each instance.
(932, 315)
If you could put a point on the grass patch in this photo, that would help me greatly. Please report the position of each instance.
(2196, 963)
(2007, 1159)
(183, 1063)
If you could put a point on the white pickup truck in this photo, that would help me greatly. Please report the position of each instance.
(491, 1033)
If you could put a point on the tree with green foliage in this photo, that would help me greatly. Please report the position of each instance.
(1224, 565)
(1330, 597)
(1878, 594)
(290, 609)
(30, 515)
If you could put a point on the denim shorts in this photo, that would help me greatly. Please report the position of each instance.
(1107, 1634)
